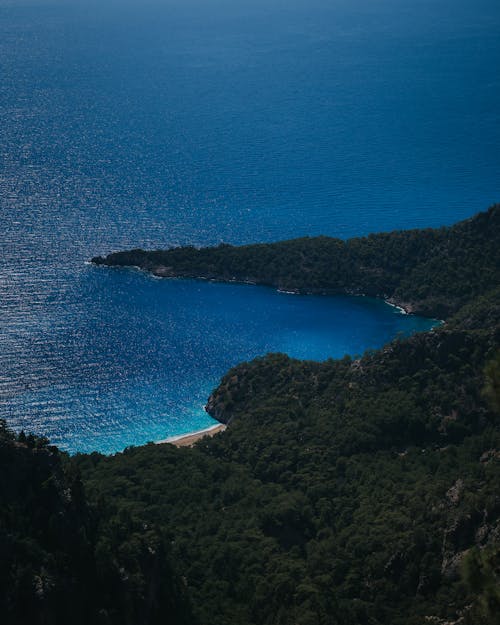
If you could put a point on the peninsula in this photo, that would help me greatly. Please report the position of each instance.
(432, 272)
(359, 491)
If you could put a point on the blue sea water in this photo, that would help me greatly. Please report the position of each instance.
(170, 122)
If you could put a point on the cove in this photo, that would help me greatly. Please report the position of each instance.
(158, 124)
(127, 358)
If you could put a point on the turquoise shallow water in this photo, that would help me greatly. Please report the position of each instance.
(128, 358)
(160, 123)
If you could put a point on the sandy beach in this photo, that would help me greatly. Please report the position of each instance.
(188, 440)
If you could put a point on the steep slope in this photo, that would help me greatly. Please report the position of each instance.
(63, 561)
(343, 492)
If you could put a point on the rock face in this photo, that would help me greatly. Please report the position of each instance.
(215, 409)
(476, 528)
(454, 493)
(220, 402)
(163, 272)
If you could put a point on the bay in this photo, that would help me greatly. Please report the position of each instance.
(162, 123)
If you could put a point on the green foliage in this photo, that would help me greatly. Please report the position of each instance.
(63, 561)
(492, 388)
(481, 571)
(349, 492)
(342, 492)
(433, 271)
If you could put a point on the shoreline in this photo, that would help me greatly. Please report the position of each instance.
(403, 308)
(190, 438)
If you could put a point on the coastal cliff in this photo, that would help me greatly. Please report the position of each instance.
(431, 272)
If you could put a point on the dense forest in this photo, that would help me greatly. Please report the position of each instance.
(433, 271)
(360, 491)
(63, 560)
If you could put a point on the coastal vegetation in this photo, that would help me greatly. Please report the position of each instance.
(431, 272)
(359, 491)
(62, 560)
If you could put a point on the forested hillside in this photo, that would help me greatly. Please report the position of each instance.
(432, 272)
(64, 561)
(350, 492)
(360, 491)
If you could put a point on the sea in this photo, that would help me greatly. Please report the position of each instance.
(155, 123)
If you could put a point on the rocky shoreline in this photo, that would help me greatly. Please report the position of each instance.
(160, 271)
(428, 272)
